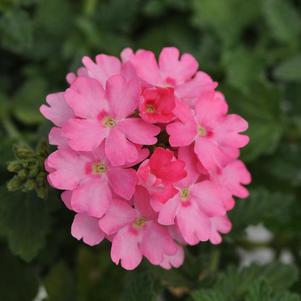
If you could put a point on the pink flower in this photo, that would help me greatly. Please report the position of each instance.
(193, 204)
(137, 233)
(230, 181)
(91, 178)
(157, 105)
(213, 132)
(86, 228)
(159, 173)
(178, 195)
(174, 71)
(57, 110)
(104, 116)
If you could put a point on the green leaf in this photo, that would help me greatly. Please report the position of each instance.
(59, 284)
(16, 30)
(260, 291)
(222, 17)
(283, 20)
(140, 285)
(28, 99)
(262, 206)
(208, 295)
(243, 68)
(25, 222)
(17, 280)
(261, 109)
(290, 69)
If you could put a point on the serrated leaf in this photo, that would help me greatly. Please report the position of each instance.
(208, 295)
(262, 110)
(261, 206)
(17, 280)
(290, 69)
(25, 222)
(140, 285)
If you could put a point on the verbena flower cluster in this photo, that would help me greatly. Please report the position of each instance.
(146, 155)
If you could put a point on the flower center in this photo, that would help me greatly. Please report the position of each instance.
(150, 108)
(139, 222)
(109, 122)
(98, 168)
(184, 194)
(202, 131)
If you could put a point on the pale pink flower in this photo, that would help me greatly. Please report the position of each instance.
(174, 71)
(193, 204)
(91, 178)
(230, 181)
(105, 116)
(57, 110)
(86, 228)
(137, 233)
(214, 133)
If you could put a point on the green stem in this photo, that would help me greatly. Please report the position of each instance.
(89, 7)
(10, 128)
(214, 261)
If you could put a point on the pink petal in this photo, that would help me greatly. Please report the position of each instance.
(69, 169)
(207, 196)
(118, 149)
(176, 68)
(123, 181)
(123, 96)
(181, 134)
(169, 211)
(66, 198)
(191, 90)
(55, 138)
(126, 54)
(118, 215)
(105, 67)
(173, 261)
(84, 134)
(233, 176)
(210, 107)
(92, 197)
(138, 131)
(86, 97)
(146, 67)
(142, 203)
(156, 243)
(86, 228)
(187, 155)
(58, 111)
(125, 249)
(227, 131)
(210, 154)
(219, 224)
(193, 224)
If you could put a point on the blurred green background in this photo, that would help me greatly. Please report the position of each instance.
(253, 48)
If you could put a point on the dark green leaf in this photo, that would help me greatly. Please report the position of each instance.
(25, 222)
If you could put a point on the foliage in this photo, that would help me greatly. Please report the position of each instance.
(253, 48)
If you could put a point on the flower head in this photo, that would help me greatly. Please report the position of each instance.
(147, 155)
